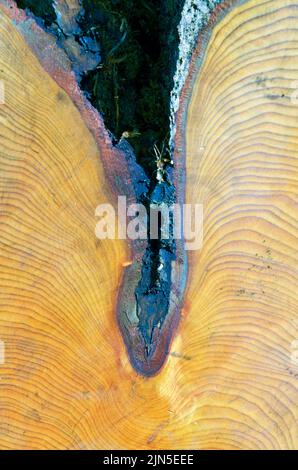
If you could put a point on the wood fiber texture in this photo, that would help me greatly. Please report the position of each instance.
(230, 381)
(241, 164)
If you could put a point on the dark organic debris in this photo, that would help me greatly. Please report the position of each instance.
(124, 55)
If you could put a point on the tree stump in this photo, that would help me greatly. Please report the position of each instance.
(230, 378)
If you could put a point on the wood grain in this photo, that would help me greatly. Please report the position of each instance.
(230, 381)
(58, 282)
(241, 147)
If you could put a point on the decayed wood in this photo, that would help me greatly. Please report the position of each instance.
(229, 381)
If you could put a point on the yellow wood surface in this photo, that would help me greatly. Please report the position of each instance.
(58, 283)
(242, 145)
(229, 381)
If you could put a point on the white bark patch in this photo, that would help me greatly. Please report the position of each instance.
(195, 15)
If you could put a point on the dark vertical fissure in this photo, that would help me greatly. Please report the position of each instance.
(132, 86)
(134, 47)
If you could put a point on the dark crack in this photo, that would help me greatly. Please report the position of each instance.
(124, 55)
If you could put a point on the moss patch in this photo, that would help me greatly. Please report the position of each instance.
(132, 87)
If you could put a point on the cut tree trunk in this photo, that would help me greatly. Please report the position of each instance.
(230, 378)
(241, 164)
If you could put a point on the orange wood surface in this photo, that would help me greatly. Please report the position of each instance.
(230, 380)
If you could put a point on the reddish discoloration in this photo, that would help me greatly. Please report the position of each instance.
(13, 11)
(58, 66)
